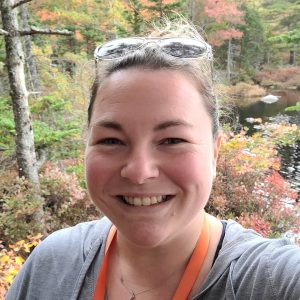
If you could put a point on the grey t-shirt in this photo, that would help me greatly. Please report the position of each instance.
(65, 266)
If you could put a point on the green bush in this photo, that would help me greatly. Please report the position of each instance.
(62, 199)
(295, 107)
(56, 129)
(7, 126)
(66, 203)
(56, 132)
(19, 204)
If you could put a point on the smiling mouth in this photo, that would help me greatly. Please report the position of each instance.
(145, 201)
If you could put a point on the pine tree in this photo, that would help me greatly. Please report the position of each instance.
(253, 43)
(284, 21)
(133, 14)
(164, 8)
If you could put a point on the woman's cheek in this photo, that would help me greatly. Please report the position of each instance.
(192, 164)
(192, 170)
(96, 172)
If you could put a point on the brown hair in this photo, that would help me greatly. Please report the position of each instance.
(152, 58)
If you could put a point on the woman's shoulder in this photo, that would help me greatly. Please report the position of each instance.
(59, 264)
(239, 240)
(250, 266)
(71, 245)
(247, 247)
(235, 232)
(82, 236)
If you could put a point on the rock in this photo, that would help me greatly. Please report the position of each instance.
(293, 88)
(266, 83)
(269, 99)
(250, 120)
(280, 119)
(253, 120)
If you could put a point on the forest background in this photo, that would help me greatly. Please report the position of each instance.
(256, 48)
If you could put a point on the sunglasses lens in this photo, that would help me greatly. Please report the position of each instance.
(183, 47)
(118, 48)
(177, 47)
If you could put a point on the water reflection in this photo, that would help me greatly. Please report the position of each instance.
(264, 110)
(275, 113)
(290, 165)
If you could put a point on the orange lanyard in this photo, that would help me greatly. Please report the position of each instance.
(188, 278)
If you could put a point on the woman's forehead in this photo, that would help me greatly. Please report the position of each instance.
(149, 96)
(155, 77)
(143, 84)
(137, 88)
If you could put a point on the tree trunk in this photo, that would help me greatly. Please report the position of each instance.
(25, 151)
(292, 57)
(136, 23)
(192, 10)
(160, 9)
(29, 57)
(229, 58)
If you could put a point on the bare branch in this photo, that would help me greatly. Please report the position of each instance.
(34, 30)
(20, 3)
(3, 32)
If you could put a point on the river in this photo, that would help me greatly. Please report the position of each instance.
(274, 112)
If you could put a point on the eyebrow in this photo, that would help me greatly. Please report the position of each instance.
(171, 123)
(108, 124)
(164, 125)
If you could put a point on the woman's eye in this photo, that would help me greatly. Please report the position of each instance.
(110, 141)
(172, 141)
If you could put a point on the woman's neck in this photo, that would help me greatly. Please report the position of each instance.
(171, 254)
(142, 268)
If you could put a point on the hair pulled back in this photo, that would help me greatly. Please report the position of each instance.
(151, 57)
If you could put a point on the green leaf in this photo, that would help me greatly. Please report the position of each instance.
(294, 107)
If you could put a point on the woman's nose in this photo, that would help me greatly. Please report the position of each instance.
(139, 168)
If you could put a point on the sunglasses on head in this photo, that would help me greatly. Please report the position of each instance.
(176, 47)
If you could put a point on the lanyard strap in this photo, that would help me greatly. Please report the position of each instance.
(99, 293)
(195, 264)
(188, 278)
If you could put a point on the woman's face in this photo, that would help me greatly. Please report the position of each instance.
(150, 157)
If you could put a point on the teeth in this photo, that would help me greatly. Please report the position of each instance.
(153, 200)
(144, 201)
(137, 201)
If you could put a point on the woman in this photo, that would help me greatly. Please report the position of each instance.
(152, 145)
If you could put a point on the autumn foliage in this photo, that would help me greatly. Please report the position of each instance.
(223, 11)
(282, 77)
(65, 204)
(45, 15)
(249, 187)
(224, 15)
(12, 258)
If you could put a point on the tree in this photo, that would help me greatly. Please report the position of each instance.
(92, 22)
(134, 14)
(161, 8)
(283, 17)
(141, 14)
(25, 150)
(291, 39)
(195, 10)
(253, 43)
(29, 57)
(223, 17)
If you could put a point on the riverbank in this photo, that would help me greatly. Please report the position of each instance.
(283, 78)
(268, 81)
